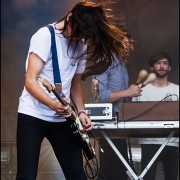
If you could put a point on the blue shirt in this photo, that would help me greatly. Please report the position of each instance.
(115, 78)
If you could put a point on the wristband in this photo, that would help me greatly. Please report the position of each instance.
(81, 111)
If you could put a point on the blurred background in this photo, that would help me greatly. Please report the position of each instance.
(153, 24)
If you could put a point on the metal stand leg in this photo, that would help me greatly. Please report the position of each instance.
(131, 173)
(157, 154)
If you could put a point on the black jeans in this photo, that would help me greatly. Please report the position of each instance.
(30, 133)
(169, 157)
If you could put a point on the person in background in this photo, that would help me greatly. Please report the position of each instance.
(40, 114)
(113, 88)
(161, 89)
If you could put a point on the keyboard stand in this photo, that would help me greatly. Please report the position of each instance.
(130, 172)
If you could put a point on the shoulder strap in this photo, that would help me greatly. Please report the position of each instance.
(56, 70)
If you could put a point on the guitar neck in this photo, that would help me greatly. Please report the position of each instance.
(52, 89)
(62, 101)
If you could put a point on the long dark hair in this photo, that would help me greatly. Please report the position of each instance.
(90, 21)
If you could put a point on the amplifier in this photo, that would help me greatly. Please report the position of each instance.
(100, 111)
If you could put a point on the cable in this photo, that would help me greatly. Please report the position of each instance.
(149, 109)
(91, 167)
(128, 144)
(130, 156)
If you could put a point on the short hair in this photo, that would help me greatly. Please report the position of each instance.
(158, 55)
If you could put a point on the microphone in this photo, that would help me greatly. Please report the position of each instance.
(95, 90)
(143, 74)
(149, 79)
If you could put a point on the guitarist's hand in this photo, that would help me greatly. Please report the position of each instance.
(86, 122)
(61, 109)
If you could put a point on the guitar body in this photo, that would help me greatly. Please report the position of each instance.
(82, 139)
(75, 123)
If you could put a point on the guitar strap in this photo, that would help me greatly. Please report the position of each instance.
(55, 64)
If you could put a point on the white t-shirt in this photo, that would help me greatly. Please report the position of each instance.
(152, 93)
(40, 44)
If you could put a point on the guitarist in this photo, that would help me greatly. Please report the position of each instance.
(40, 114)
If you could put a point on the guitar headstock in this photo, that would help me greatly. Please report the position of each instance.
(46, 84)
(50, 88)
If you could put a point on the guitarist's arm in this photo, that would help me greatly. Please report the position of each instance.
(35, 65)
(78, 101)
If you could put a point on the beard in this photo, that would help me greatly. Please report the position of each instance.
(159, 73)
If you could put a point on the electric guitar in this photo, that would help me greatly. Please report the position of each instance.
(75, 122)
